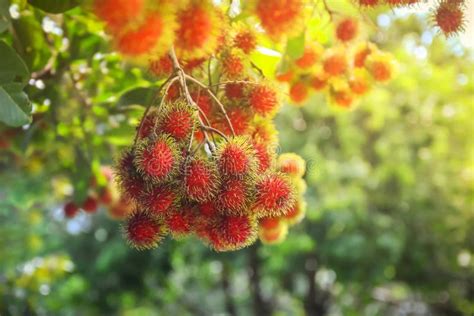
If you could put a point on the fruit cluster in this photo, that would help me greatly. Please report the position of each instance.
(448, 15)
(345, 72)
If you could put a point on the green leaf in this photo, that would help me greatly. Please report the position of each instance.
(138, 96)
(295, 46)
(12, 67)
(14, 105)
(4, 15)
(54, 6)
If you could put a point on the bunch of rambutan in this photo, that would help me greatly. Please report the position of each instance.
(344, 72)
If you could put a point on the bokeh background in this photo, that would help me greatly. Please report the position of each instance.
(390, 221)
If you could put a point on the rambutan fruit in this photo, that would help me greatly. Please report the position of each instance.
(311, 55)
(269, 223)
(381, 66)
(335, 63)
(192, 63)
(234, 90)
(117, 13)
(174, 92)
(264, 156)
(239, 118)
(296, 213)
(208, 209)
(234, 196)
(233, 63)
(449, 17)
(159, 199)
(90, 205)
(263, 99)
(151, 37)
(264, 131)
(347, 29)
(149, 124)
(198, 30)
(236, 157)
(245, 39)
(232, 232)
(203, 101)
(359, 83)
(362, 52)
(157, 158)
(273, 236)
(342, 98)
(201, 181)
(180, 221)
(286, 76)
(299, 92)
(161, 67)
(291, 164)
(280, 17)
(131, 183)
(144, 230)
(274, 195)
(178, 120)
(70, 209)
(319, 81)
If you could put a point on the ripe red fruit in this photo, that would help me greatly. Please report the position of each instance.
(274, 195)
(142, 39)
(359, 85)
(274, 236)
(263, 99)
(200, 180)
(299, 92)
(158, 200)
(343, 98)
(236, 157)
(162, 67)
(148, 125)
(131, 182)
(70, 209)
(232, 64)
(232, 232)
(207, 209)
(291, 164)
(319, 82)
(310, 56)
(157, 158)
(361, 55)
(270, 223)
(180, 221)
(279, 17)
(347, 29)
(196, 33)
(178, 121)
(117, 13)
(143, 230)
(245, 40)
(264, 158)
(335, 64)
(240, 120)
(285, 76)
(203, 101)
(90, 205)
(449, 17)
(233, 196)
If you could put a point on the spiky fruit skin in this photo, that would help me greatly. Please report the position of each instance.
(291, 164)
(280, 17)
(236, 157)
(311, 55)
(161, 67)
(274, 195)
(178, 121)
(347, 29)
(203, 101)
(359, 85)
(129, 179)
(299, 92)
(116, 13)
(208, 209)
(70, 209)
(197, 31)
(90, 205)
(148, 125)
(142, 39)
(449, 17)
(335, 64)
(232, 232)
(296, 213)
(240, 120)
(270, 223)
(246, 40)
(273, 236)
(233, 64)
(234, 91)
(157, 159)
(200, 180)
(361, 54)
(159, 199)
(180, 221)
(233, 196)
(144, 230)
(264, 131)
(263, 99)
(318, 82)
(264, 157)
(285, 76)
(342, 98)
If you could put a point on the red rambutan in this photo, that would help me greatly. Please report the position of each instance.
(273, 236)
(291, 164)
(142, 39)
(233, 196)
(280, 17)
(233, 64)
(449, 17)
(200, 180)
(312, 53)
(90, 204)
(234, 90)
(270, 223)
(299, 92)
(335, 64)
(245, 40)
(318, 82)
(263, 99)
(178, 120)
(158, 199)
(143, 230)
(347, 29)
(236, 157)
(130, 182)
(286, 76)
(264, 157)
(117, 13)
(274, 195)
(232, 232)
(161, 67)
(70, 209)
(180, 221)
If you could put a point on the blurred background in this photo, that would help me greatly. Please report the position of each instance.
(389, 226)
